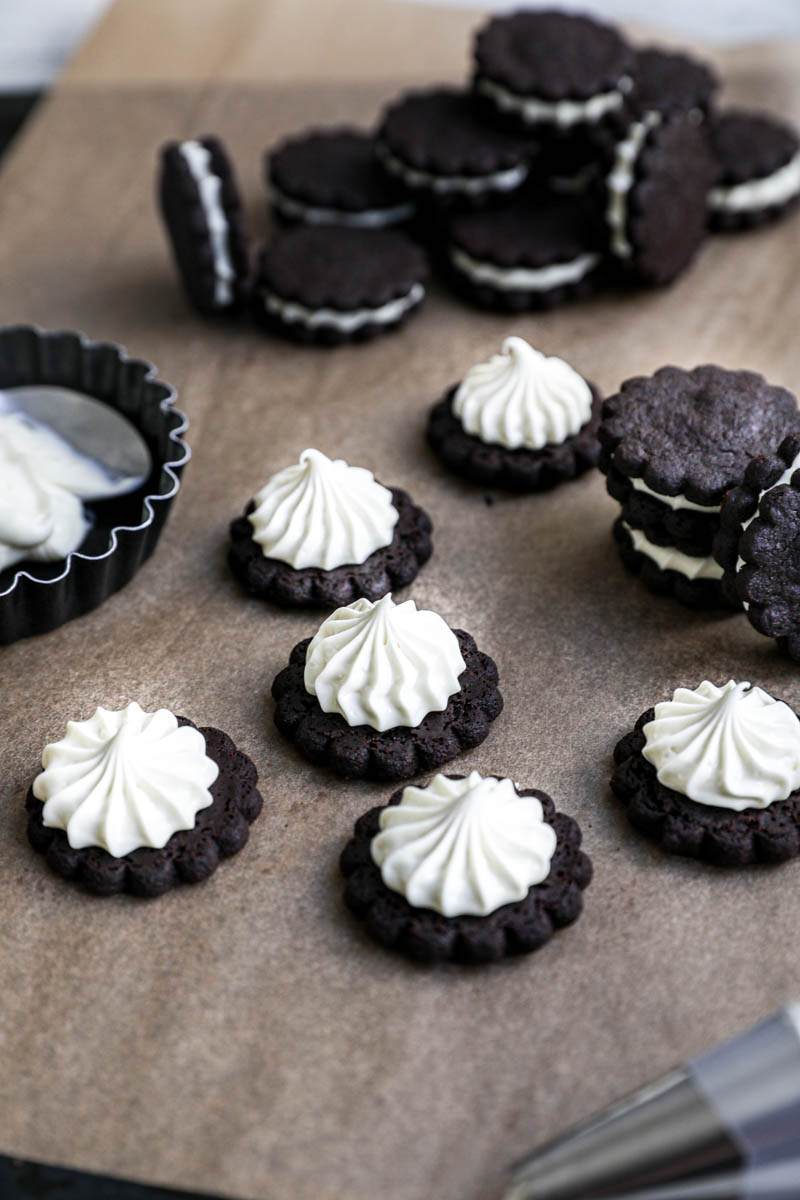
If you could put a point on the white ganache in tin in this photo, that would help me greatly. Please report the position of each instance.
(778, 188)
(731, 747)
(521, 398)
(125, 779)
(463, 847)
(322, 513)
(209, 186)
(383, 664)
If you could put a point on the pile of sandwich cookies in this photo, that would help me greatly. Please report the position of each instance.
(573, 161)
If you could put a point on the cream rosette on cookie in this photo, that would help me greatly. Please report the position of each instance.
(123, 780)
(522, 399)
(383, 664)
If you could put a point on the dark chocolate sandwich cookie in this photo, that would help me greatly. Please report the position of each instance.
(520, 421)
(384, 691)
(467, 868)
(202, 210)
(714, 774)
(138, 802)
(438, 145)
(758, 544)
(757, 176)
(666, 81)
(552, 69)
(659, 171)
(333, 285)
(535, 251)
(323, 533)
(332, 177)
(694, 580)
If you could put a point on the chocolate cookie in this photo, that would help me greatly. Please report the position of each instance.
(332, 177)
(688, 530)
(331, 285)
(758, 545)
(392, 567)
(360, 752)
(428, 936)
(516, 470)
(202, 210)
(667, 82)
(438, 145)
(695, 581)
(681, 826)
(551, 69)
(757, 169)
(190, 855)
(536, 251)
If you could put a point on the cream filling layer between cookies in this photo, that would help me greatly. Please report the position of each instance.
(209, 187)
(311, 214)
(313, 318)
(620, 181)
(785, 478)
(675, 502)
(777, 188)
(670, 559)
(537, 279)
(468, 185)
(562, 113)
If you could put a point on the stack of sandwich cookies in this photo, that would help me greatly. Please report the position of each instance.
(470, 869)
(672, 445)
(333, 284)
(714, 774)
(322, 534)
(520, 421)
(332, 177)
(758, 544)
(384, 690)
(202, 210)
(138, 802)
(757, 169)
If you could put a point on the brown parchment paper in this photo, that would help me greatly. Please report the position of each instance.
(244, 1036)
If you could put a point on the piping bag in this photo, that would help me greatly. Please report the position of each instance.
(726, 1126)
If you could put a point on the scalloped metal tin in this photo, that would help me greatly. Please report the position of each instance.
(33, 603)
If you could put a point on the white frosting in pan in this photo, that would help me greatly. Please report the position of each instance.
(670, 559)
(620, 181)
(470, 185)
(313, 214)
(322, 513)
(563, 113)
(314, 318)
(209, 186)
(731, 747)
(521, 398)
(539, 279)
(383, 664)
(125, 779)
(463, 847)
(674, 502)
(777, 188)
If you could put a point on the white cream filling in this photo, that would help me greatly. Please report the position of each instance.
(670, 559)
(311, 214)
(777, 188)
(675, 502)
(563, 113)
(620, 181)
(312, 318)
(539, 279)
(785, 478)
(470, 185)
(209, 187)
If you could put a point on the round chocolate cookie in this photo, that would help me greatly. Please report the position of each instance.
(427, 936)
(695, 581)
(189, 856)
(658, 175)
(387, 569)
(758, 545)
(332, 177)
(536, 251)
(757, 169)
(551, 69)
(331, 285)
(665, 81)
(202, 210)
(438, 145)
(682, 826)
(519, 470)
(360, 752)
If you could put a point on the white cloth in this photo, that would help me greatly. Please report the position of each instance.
(38, 36)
